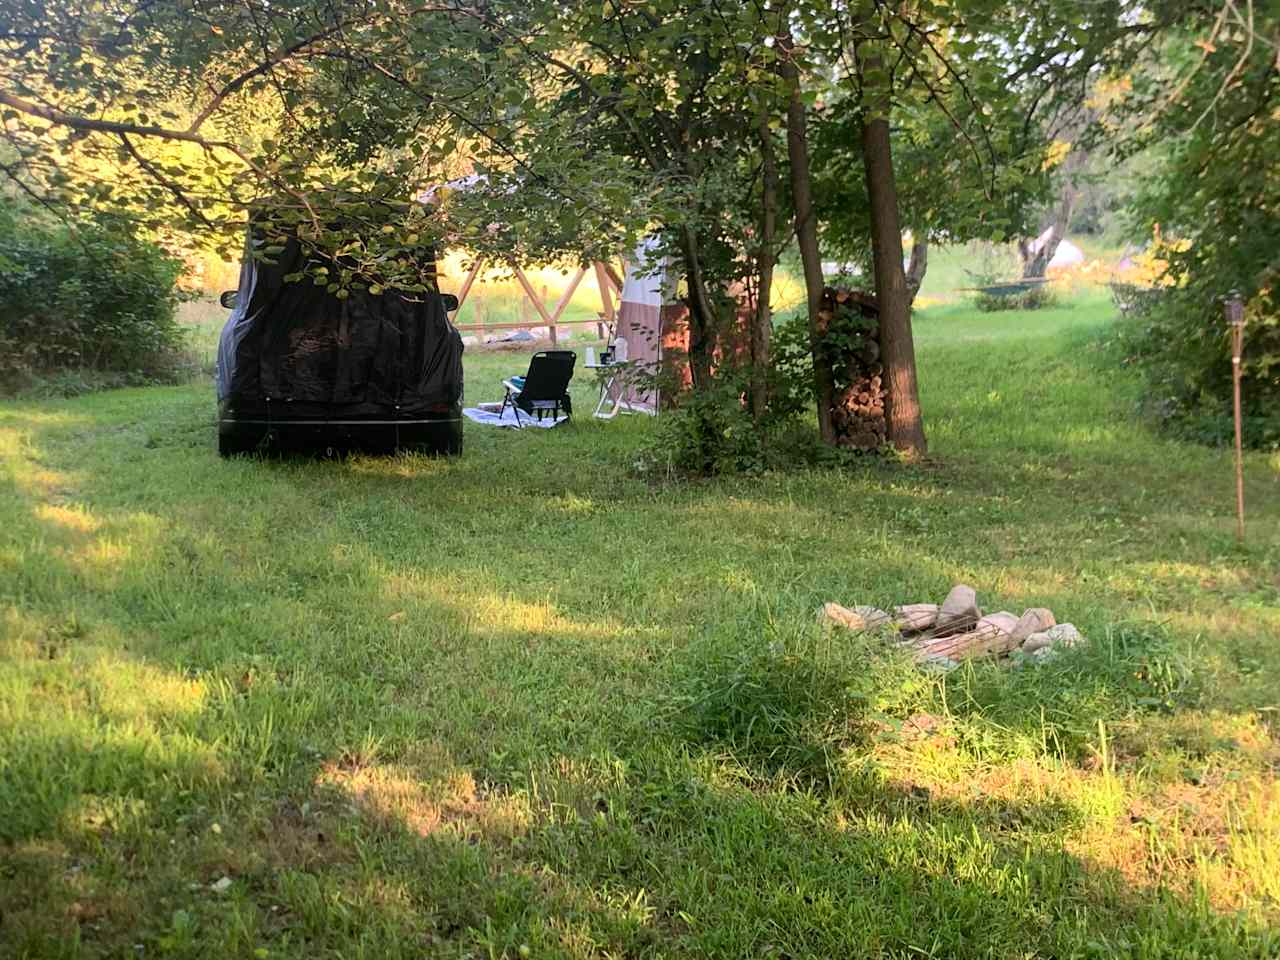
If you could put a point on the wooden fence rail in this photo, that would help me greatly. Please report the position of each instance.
(599, 323)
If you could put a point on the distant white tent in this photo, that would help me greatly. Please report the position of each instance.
(1067, 254)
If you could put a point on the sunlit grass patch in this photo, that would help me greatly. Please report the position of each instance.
(422, 793)
(1219, 840)
(408, 706)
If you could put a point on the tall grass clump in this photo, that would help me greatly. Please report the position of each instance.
(795, 702)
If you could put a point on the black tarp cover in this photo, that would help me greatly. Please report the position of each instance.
(364, 356)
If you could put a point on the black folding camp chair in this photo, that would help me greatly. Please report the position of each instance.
(545, 388)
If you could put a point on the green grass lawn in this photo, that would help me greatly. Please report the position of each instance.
(525, 703)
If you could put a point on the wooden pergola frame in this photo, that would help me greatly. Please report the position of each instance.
(607, 277)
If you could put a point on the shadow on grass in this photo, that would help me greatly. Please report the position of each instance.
(668, 860)
(531, 621)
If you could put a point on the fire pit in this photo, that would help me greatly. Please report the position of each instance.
(943, 635)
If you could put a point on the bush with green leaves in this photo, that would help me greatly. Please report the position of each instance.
(1216, 202)
(91, 298)
(710, 433)
(1182, 345)
(1033, 298)
(791, 392)
(791, 377)
(994, 266)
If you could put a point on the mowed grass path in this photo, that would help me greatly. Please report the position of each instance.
(523, 703)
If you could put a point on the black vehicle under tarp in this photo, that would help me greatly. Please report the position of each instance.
(299, 368)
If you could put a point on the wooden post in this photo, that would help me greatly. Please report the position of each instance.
(528, 289)
(568, 293)
(614, 277)
(551, 329)
(466, 289)
(466, 284)
(1235, 317)
(602, 280)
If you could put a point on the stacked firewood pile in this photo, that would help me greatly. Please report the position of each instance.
(944, 634)
(851, 319)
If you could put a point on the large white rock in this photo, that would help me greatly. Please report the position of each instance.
(1004, 622)
(1057, 636)
(859, 618)
(1065, 634)
(1037, 641)
(1067, 254)
(1042, 655)
(873, 617)
(938, 664)
(1034, 620)
(960, 609)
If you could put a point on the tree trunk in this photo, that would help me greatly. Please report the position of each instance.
(918, 266)
(807, 238)
(702, 320)
(1035, 262)
(762, 322)
(897, 350)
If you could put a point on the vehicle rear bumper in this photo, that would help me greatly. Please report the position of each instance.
(433, 433)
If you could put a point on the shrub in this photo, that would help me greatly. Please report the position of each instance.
(1134, 299)
(94, 298)
(1034, 298)
(714, 435)
(791, 368)
(995, 264)
(995, 268)
(710, 433)
(791, 388)
(1182, 344)
(1215, 200)
(1174, 329)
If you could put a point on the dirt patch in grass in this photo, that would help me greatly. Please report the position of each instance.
(297, 837)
